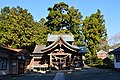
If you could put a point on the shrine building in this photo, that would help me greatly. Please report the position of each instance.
(59, 53)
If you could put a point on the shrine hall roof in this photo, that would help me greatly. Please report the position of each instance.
(54, 44)
(65, 37)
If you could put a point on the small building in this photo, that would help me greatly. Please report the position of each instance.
(13, 61)
(116, 53)
(59, 53)
(102, 54)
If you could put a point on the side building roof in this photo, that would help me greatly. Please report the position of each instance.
(19, 52)
(102, 52)
(115, 51)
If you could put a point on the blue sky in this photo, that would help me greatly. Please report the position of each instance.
(109, 8)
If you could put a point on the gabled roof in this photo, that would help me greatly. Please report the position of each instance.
(66, 44)
(65, 37)
(60, 40)
(101, 52)
(117, 50)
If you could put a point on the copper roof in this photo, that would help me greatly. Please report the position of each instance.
(65, 37)
(66, 44)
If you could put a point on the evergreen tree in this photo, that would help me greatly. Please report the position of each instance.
(18, 29)
(61, 16)
(94, 32)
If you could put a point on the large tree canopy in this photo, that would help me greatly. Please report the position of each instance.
(62, 17)
(18, 29)
(94, 32)
(57, 17)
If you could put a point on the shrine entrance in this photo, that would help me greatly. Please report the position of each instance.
(60, 60)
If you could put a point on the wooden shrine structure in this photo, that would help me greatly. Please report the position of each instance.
(59, 53)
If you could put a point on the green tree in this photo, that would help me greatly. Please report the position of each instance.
(18, 29)
(61, 16)
(94, 32)
(57, 17)
(43, 32)
(75, 22)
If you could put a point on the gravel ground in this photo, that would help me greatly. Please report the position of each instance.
(84, 74)
(93, 74)
(34, 76)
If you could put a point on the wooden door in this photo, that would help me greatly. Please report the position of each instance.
(21, 66)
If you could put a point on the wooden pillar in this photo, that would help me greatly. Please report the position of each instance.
(69, 59)
(50, 59)
(60, 63)
(81, 61)
(65, 62)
